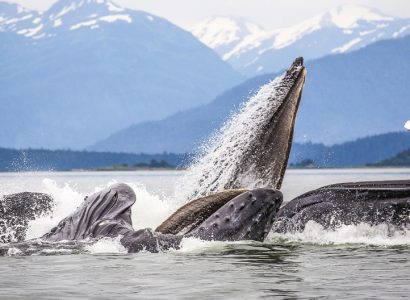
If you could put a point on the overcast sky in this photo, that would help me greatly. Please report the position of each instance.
(268, 13)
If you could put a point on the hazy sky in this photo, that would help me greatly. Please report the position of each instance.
(268, 13)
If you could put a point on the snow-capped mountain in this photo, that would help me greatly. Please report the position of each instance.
(85, 68)
(63, 16)
(253, 50)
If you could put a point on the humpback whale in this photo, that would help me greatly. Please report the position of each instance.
(247, 216)
(351, 203)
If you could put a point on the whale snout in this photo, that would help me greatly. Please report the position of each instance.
(248, 216)
(259, 217)
(266, 199)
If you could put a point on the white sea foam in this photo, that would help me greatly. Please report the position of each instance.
(194, 245)
(14, 252)
(314, 233)
(106, 245)
(150, 210)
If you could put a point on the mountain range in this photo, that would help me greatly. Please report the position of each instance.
(346, 96)
(90, 72)
(360, 152)
(253, 50)
(85, 68)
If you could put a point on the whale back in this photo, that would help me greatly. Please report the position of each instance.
(350, 203)
(189, 216)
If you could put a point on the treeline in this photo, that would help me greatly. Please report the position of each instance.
(363, 151)
(400, 160)
(62, 160)
(374, 150)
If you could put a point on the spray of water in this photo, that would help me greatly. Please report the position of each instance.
(220, 157)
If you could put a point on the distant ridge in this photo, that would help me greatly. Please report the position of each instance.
(360, 152)
(402, 159)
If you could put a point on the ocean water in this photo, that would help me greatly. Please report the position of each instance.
(354, 262)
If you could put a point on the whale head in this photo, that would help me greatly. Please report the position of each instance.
(248, 216)
(252, 149)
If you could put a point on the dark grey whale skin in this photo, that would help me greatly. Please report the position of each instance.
(248, 216)
(370, 202)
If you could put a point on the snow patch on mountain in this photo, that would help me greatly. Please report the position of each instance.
(346, 46)
(349, 16)
(114, 18)
(64, 15)
(287, 36)
(401, 31)
(223, 32)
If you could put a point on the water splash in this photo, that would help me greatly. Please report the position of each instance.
(314, 233)
(66, 198)
(106, 245)
(220, 157)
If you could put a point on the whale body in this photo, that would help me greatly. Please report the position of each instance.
(352, 203)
